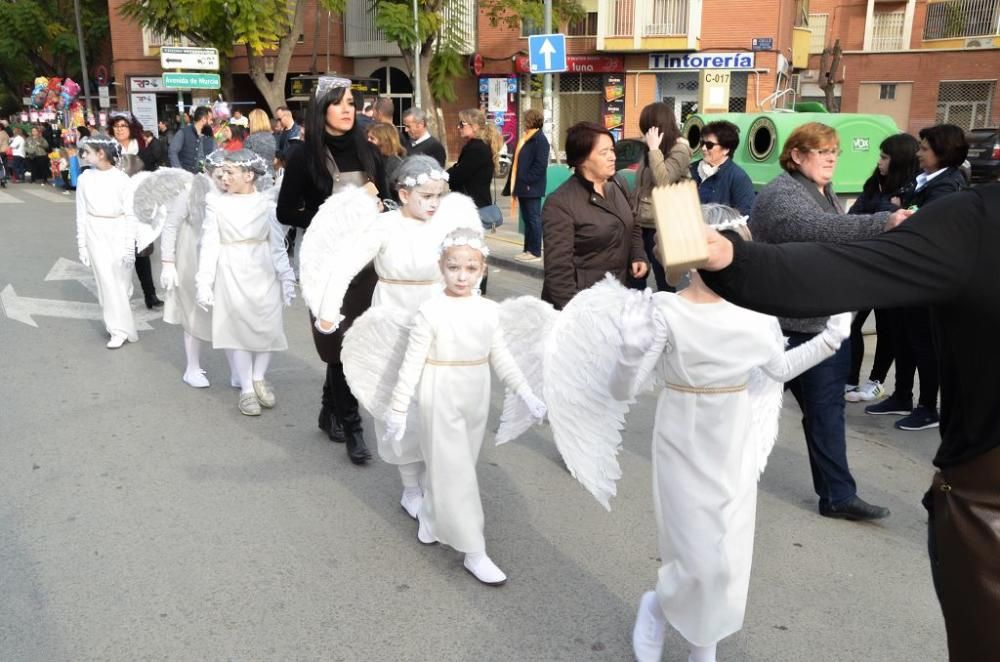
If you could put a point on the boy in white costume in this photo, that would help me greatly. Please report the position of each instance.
(455, 338)
(405, 245)
(244, 274)
(105, 235)
(721, 368)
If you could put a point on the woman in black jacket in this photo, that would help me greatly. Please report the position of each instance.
(942, 150)
(335, 154)
(472, 174)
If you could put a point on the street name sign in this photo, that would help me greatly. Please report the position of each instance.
(191, 81)
(177, 57)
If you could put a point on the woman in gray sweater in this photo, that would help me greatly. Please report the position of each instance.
(800, 205)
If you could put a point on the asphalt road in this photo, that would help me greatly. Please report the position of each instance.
(141, 519)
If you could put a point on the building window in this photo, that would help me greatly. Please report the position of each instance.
(530, 28)
(965, 103)
(887, 91)
(887, 31)
(817, 25)
(585, 27)
(960, 18)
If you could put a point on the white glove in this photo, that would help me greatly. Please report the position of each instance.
(205, 297)
(638, 329)
(838, 329)
(395, 428)
(534, 404)
(84, 256)
(168, 276)
(128, 260)
(327, 330)
(288, 291)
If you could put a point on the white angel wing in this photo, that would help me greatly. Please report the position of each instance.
(373, 352)
(153, 194)
(526, 322)
(582, 351)
(456, 211)
(334, 232)
(766, 397)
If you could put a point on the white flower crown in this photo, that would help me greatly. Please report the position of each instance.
(472, 242)
(731, 225)
(424, 177)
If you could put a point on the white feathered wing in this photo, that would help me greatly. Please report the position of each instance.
(766, 397)
(153, 195)
(373, 352)
(526, 322)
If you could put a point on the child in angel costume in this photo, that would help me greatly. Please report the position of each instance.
(721, 370)
(245, 277)
(106, 234)
(431, 371)
(347, 233)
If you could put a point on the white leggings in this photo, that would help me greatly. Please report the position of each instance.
(248, 366)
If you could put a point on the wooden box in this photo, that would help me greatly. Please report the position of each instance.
(680, 228)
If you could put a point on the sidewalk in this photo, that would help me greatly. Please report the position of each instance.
(507, 242)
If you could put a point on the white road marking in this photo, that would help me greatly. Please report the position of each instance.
(21, 309)
(8, 199)
(47, 193)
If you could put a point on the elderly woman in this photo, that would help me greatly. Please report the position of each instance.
(942, 150)
(587, 223)
(719, 179)
(800, 205)
(36, 153)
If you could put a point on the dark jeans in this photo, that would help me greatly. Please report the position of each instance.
(820, 394)
(648, 239)
(914, 346)
(531, 215)
(884, 352)
(144, 270)
(20, 166)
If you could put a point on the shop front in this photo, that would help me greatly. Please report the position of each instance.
(677, 78)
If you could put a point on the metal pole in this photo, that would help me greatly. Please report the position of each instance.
(83, 61)
(547, 84)
(417, 102)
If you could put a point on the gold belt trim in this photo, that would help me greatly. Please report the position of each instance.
(459, 363)
(244, 241)
(707, 389)
(393, 281)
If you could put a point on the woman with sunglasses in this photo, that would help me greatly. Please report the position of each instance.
(801, 205)
(719, 179)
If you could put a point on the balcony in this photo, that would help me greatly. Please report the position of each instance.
(962, 23)
(363, 39)
(648, 25)
(887, 31)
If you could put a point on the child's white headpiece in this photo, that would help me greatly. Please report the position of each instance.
(465, 237)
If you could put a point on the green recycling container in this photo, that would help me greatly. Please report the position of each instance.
(763, 135)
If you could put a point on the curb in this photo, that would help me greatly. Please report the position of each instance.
(513, 265)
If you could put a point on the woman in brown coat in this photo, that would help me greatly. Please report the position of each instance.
(587, 224)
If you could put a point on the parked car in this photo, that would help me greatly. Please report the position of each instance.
(984, 154)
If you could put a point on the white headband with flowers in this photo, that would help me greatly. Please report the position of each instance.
(424, 177)
(472, 242)
(731, 225)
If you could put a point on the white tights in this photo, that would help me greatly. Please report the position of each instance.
(411, 475)
(248, 366)
(192, 350)
(702, 653)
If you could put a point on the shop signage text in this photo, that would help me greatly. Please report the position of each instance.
(146, 84)
(689, 61)
(579, 64)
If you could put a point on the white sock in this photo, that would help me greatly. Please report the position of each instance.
(702, 654)
(192, 351)
(410, 475)
(261, 360)
(242, 364)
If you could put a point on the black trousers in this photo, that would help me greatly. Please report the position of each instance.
(885, 325)
(338, 397)
(144, 270)
(914, 347)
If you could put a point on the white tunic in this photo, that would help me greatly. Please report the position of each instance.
(243, 258)
(704, 469)
(453, 342)
(105, 229)
(180, 243)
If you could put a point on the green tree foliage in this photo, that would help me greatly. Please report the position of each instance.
(511, 13)
(38, 38)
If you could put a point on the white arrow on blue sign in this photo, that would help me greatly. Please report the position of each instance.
(547, 53)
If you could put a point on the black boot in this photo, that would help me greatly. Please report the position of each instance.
(328, 422)
(346, 407)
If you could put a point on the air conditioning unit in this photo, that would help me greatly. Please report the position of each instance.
(809, 76)
(979, 42)
(793, 82)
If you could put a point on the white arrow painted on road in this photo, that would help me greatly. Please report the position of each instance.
(547, 50)
(21, 309)
(65, 269)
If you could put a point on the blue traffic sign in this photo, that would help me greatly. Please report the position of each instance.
(547, 53)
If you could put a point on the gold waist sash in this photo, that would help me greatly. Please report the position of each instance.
(706, 389)
(481, 361)
(393, 281)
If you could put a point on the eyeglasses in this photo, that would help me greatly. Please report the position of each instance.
(709, 145)
(827, 152)
(462, 124)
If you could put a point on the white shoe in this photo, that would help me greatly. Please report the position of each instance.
(249, 405)
(196, 379)
(117, 340)
(485, 570)
(423, 533)
(650, 631)
(411, 503)
(848, 388)
(264, 393)
(867, 392)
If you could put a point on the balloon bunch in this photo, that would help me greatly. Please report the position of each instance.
(54, 93)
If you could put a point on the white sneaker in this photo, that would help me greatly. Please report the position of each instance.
(117, 340)
(423, 533)
(411, 503)
(196, 379)
(867, 392)
(249, 405)
(849, 388)
(485, 570)
(264, 393)
(650, 631)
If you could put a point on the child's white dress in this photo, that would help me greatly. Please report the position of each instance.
(180, 242)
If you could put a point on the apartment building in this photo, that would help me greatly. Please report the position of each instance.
(922, 62)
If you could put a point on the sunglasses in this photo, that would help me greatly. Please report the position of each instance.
(709, 145)
(462, 124)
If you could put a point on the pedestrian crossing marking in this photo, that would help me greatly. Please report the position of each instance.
(8, 199)
(48, 194)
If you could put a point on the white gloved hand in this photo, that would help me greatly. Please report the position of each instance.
(534, 403)
(838, 329)
(288, 291)
(638, 329)
(128, 260)
(327, 327)
(395, 428)
(168, 276)
(205, 297)
(84, 256)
